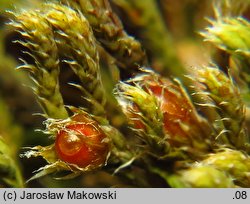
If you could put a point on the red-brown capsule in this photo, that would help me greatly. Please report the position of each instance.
(180, 119)
(174, 105)
(82, 142)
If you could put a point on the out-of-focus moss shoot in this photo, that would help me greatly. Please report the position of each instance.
(201, 177)
(109, 31)
(234, 163)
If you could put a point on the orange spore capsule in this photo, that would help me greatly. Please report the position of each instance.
(82, 143)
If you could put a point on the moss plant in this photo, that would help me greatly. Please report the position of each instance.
(168, 135)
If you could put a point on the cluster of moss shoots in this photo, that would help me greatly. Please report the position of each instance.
(187, 137)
